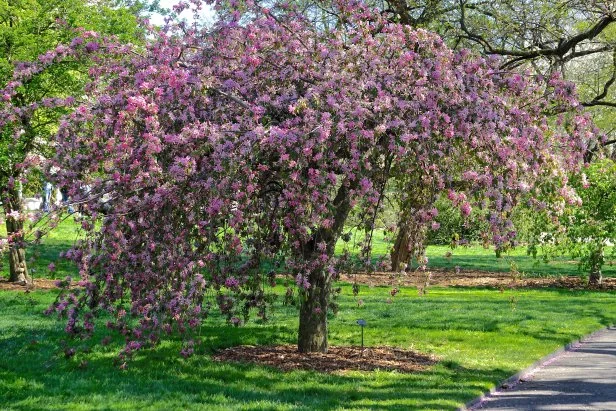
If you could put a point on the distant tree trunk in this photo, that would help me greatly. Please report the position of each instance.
(401, 253)
(18, 267)
(312, 334)
(409, 242)
(596, 261)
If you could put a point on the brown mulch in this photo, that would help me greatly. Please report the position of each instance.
(471, 278)
(433, 277)
(39, 284)
(337, 359)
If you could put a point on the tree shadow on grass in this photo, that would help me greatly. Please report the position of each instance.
(160, 380)
(34, 373)
(37, 375)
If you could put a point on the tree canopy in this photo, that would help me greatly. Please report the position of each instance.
(253, 140)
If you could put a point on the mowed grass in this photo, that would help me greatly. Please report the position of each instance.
(474, 257)
(40, 255)
(480, 336)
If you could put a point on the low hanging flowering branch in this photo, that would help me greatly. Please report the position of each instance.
(252, 141)
(31, 101)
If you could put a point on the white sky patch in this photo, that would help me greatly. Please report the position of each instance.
(207, 13)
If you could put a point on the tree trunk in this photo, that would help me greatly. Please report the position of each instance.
(409, 242)
(596, 261)
(595, 278)
(401, 253)
(312, 336)
(18, 268)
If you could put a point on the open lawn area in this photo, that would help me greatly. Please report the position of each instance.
(480, 337)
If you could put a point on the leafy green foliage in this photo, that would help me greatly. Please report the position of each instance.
(593, 225)
(453, 228)
(28, 29)
(583, 231)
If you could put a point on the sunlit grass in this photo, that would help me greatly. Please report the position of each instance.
(480, 336)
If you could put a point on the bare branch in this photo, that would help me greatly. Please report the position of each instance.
(560, 50)
(231, 97)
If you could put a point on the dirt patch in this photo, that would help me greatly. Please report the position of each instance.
(470, 278)
(337, 359)
(39, 284)
(419, 279)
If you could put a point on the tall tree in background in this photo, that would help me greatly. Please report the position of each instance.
(575, 38)
(31, 31)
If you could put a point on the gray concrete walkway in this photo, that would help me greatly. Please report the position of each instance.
(583, 378)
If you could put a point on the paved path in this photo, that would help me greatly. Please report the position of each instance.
(583, 378)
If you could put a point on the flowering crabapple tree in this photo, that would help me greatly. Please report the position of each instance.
(254, 140)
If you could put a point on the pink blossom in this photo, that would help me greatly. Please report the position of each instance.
(466, 209)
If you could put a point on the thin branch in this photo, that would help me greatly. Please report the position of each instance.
(564, 46)
(231, 97)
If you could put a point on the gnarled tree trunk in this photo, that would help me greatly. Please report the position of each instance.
(409, 242)
(18, 267)
(312, 335)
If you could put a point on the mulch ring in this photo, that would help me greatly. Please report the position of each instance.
(471, 278)
(337, 359)
(39, 284)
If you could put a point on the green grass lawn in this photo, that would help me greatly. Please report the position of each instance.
(481, 336)
(59, 239)
(473, 257)
(476, 257)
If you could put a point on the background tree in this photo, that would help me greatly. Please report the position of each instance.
(226, 147)
(573, 38)
(585, 229)
(32, 34)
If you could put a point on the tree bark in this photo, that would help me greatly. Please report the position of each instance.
(18, 267)
(595, 278)
(312, 336)
(400, 254)
(409, 242)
